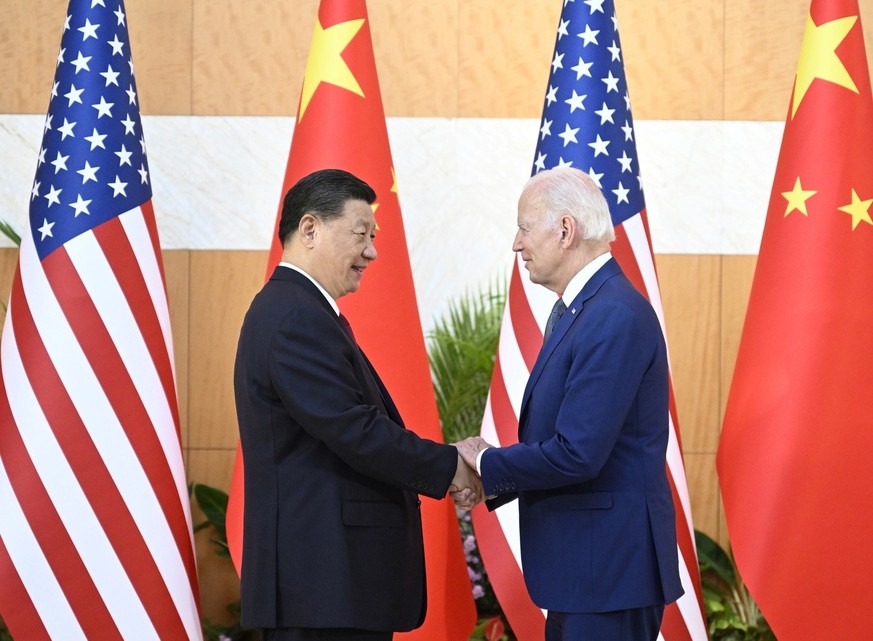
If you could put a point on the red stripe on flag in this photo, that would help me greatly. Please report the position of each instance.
(114, 378)
(673, 626)
(505, 421)
(504, 573)
(159, 352)
(524, 325)
(23, 618)
(623, 252)
(87, 465)
(121, 258)
(48, 529)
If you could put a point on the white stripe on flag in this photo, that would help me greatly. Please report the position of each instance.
(513, 369)
(90, 262)
(688, 604)
(31, 565)
(677, 471)
(135, 227)
(72, 506)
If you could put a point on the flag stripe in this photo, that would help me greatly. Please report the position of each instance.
(37, 471)
(125, 470)
(673, 625)
(24, 619)
(156, 386)
(130, 254)
(529, 335)
(499, 409)
(97, 486)
(152, 265)
(504, 571)
(102, 321)
(513, 376)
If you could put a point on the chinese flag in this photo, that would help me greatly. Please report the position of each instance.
(341, 124)
(794, 460)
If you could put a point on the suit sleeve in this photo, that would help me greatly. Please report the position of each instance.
(312, 367)
(608, 361)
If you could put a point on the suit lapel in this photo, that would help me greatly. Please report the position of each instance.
(373, 383)
(574, 310)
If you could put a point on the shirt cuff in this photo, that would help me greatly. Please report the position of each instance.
(479, 461)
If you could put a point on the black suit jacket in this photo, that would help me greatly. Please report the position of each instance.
(332, 528)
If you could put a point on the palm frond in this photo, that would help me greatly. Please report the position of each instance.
(7, 230)
(461, 353)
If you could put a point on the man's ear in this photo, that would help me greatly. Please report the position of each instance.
(307, 228)
(569, 230)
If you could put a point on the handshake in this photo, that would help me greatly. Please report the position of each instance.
(466, 488)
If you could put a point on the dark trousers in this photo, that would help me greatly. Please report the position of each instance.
(640, 624)
(323, 634)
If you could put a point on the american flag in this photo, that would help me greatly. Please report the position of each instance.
(586, 124)
(95, 534)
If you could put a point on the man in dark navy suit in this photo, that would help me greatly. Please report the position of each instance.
(332, 542)
(596, 516)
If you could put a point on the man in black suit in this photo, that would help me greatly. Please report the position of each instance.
(332, 542)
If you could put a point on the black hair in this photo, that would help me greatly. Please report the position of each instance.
(323, 194)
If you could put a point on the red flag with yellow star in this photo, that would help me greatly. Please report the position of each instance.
(794, 457)
(341, 124)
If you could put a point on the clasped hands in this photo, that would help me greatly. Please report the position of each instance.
(466, 488)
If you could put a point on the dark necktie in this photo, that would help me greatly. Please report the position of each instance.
(557, 311)
(345, 323)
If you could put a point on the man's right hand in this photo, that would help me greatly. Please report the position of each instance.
(466, 488)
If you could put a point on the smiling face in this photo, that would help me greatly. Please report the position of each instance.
(342, 248)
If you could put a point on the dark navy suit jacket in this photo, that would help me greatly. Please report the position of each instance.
(332, 528)
(597, 522)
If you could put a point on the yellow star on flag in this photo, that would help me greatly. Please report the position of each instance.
(819, 59)
(797, 198)
(325, 63)
(858, 209)
(374, 206)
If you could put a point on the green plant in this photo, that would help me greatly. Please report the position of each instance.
(213, 503)
(731, 611)
(4, 632)
(461, 352)
(7, 230)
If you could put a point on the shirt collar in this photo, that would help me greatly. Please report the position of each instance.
(582, 277)
(316, 283)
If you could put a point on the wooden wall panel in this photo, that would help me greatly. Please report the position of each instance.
(416, 49)
(161, 43)
(761, 51)
(704, 493)
(249, 57)
(762, 45)
(736, 284)
(222, 286)
(219, 584)
(689, 292)
(8, 263)
(685, 59)
(176, 273)
(30, 36)
(674, 58)
(503, 71)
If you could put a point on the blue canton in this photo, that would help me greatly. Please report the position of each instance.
(587, 121)
(92, 165)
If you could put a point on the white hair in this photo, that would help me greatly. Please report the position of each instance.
(568, 191)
